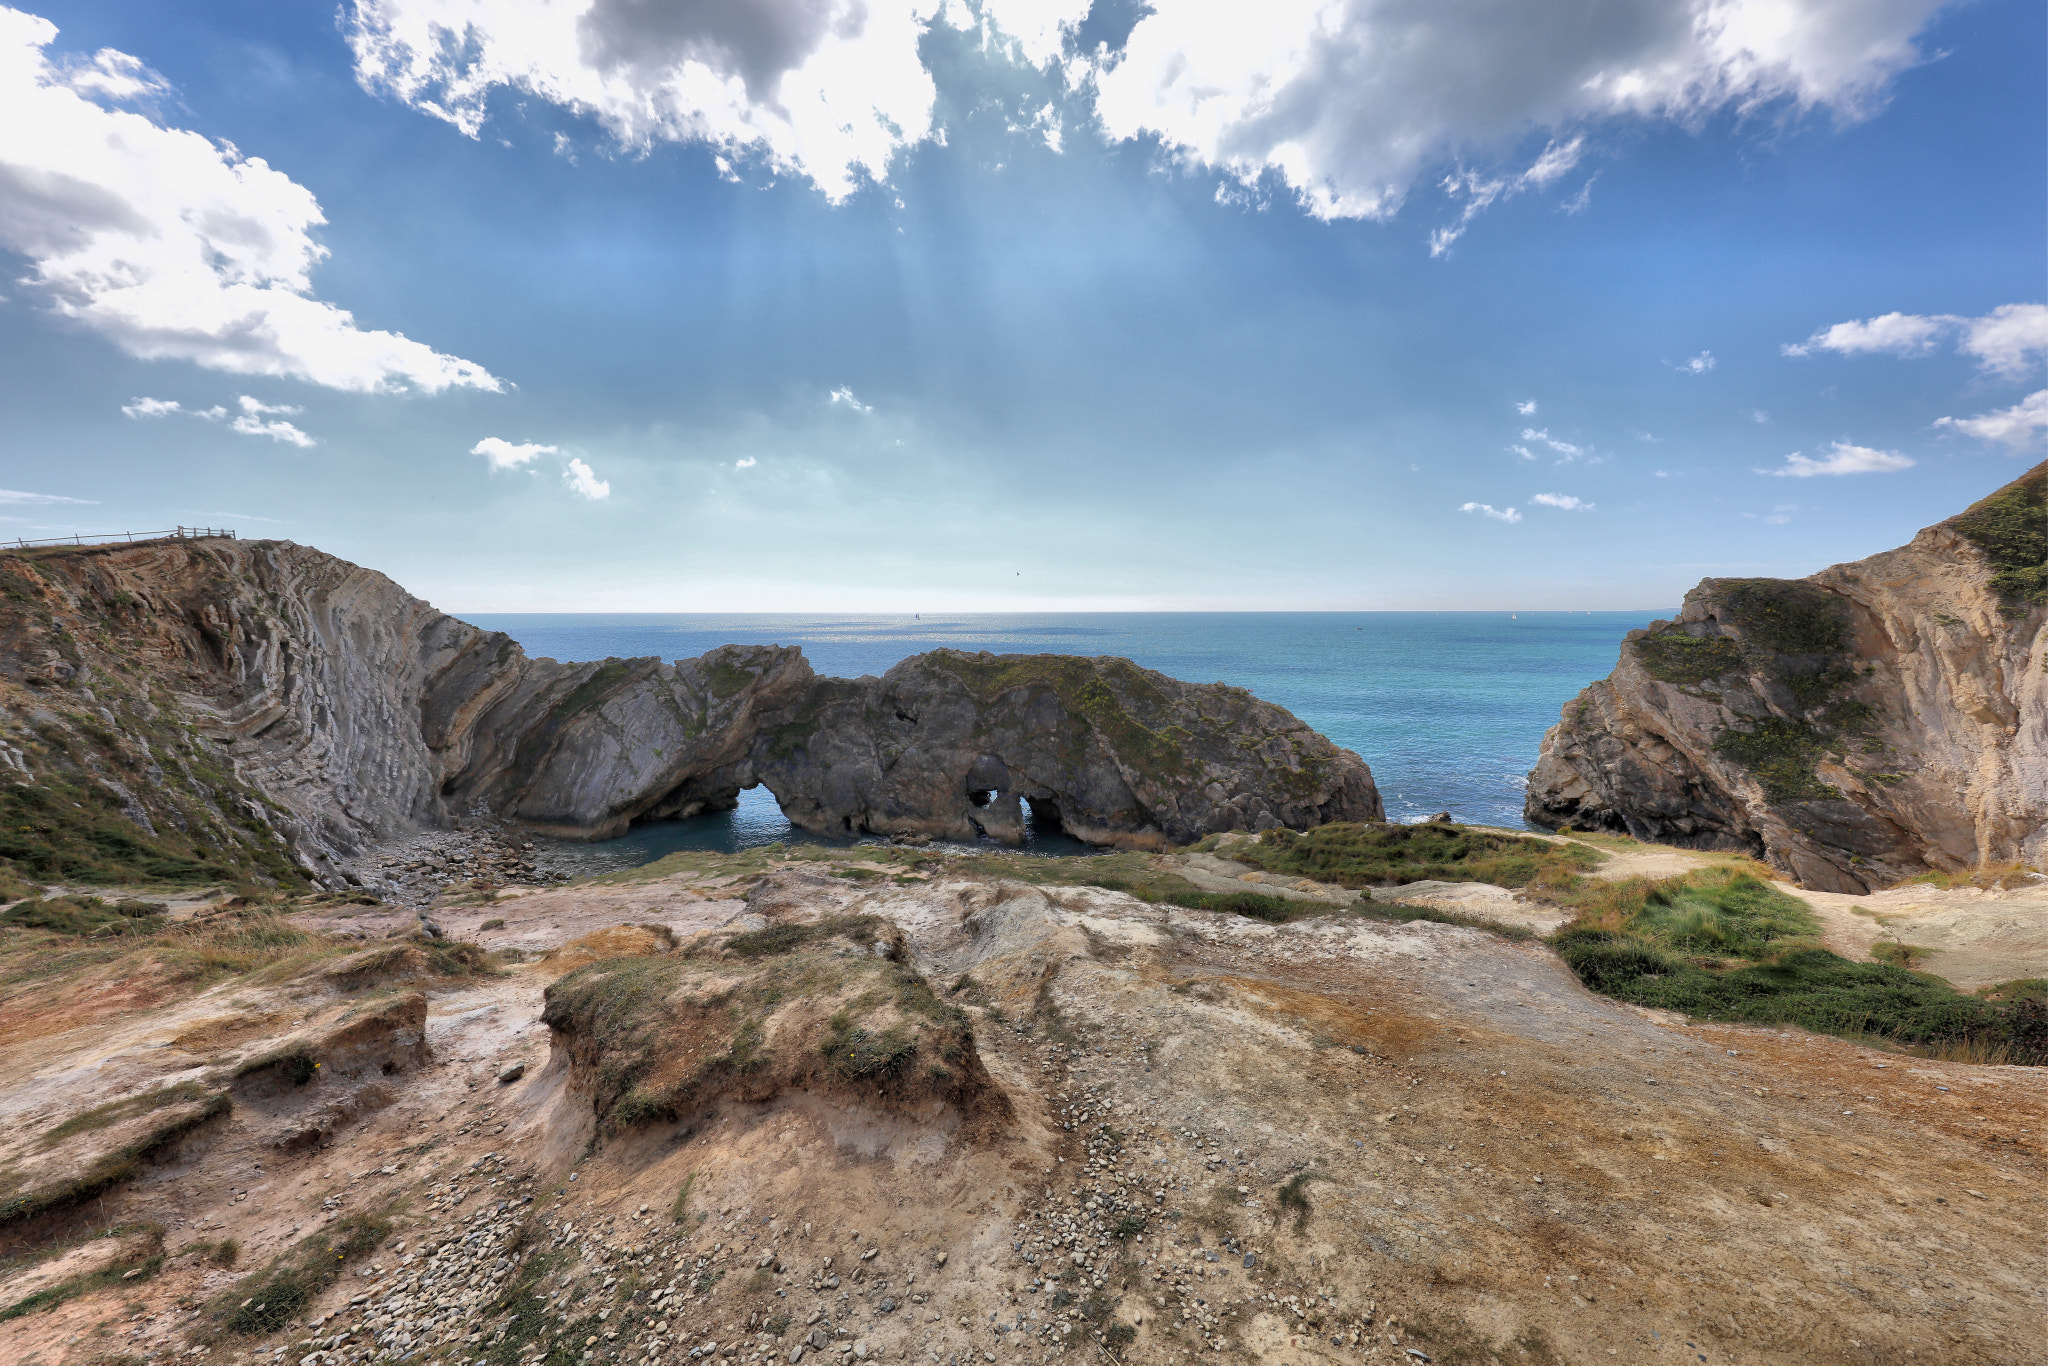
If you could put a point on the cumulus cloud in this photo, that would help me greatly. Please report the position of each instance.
(42, 499)
(1489, 510)
(167, 244)
(745, 462)
(1698, 365)
(827, 89)
(582, 479)
(845, 395)
(152, 407)
(504, 455)
(1349, 102)
(2010, 340)
(1527, 407)
(2021, 426)
(1841, 458)
(1562, 500)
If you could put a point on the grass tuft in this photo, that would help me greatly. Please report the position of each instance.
(1363, 856)
(1721, 944)
(270, 1299)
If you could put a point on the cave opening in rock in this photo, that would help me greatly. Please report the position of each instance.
(1042, 817)
(983, 796)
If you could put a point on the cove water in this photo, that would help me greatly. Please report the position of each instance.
(1448, 708)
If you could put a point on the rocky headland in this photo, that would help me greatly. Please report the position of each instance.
(1871, 722)
(1304, 1089)
(215, 705)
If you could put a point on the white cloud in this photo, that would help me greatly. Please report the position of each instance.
(42, 499)
(1479, 192)
(1349, 102)
(2010, 340)
(2020, 426)
(745, 462)
(171, 246)
(1561, 500)
(250, 423)
(845, 395)
(1760, 417)
(277, 429)
(1489, 510)
(583, 480)
(1698, 365)
(1842, 458)
(1569, 450)
(1526, 408)
(258, 408)
(827, 89)
(504, 455)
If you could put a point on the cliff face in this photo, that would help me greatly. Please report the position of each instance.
(1872, 721)
(264, 704)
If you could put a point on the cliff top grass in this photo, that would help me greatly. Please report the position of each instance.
(1723, 944)
(1116, 697)
(1362, 856)
(2011, 528)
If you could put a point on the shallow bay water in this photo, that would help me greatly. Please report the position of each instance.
(1447, 707)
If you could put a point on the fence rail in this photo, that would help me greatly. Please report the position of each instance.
(183, 533)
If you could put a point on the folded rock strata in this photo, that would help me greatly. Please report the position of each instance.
(1869, 722)
(269, 697)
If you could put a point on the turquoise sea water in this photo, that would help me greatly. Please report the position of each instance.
(1448, 708)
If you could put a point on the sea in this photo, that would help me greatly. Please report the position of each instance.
(1448, 708)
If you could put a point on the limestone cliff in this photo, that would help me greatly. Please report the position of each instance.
(1871, 721)
(189, 707)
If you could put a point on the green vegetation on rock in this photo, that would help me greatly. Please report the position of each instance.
(1672, 656)
(2011, 528)
(1094, 689)
(1782, 755)
(54, 830)
(1786, 616)
(667, 1034)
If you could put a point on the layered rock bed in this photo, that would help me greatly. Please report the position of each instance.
(1869, 723)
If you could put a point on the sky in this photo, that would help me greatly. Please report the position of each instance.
(1032, 305)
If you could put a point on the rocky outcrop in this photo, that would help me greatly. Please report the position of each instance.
(263, 698)
(1872, 721)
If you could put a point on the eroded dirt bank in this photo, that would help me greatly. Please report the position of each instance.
(1218, 1139)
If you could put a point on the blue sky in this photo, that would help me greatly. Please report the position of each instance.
(820, 305)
